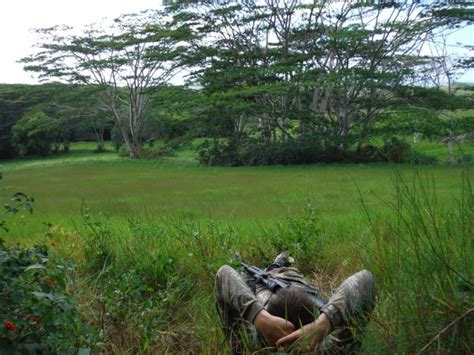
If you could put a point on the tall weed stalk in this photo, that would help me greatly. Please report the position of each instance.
(422, 259)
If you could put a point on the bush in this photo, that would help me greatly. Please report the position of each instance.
(219, 153)
(421, 158)
(116, 138)
(100, 148)
(123, 151)
(465, 158)
(366, 154)
(304, 150)
(169, 150)
(180, 142)
(38, 316)
(396, 151)
(35, 133)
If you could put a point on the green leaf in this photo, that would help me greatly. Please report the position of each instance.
(35, 267)
(43, 295)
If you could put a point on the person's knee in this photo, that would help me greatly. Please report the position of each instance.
(366, 278)
(366, 283)
(223, 273)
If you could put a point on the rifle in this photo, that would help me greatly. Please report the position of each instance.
(272, 283)
(263, 277)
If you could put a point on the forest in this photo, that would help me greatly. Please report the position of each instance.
(270, 83)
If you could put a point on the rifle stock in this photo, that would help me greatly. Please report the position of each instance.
(272, 283)
(264, 278)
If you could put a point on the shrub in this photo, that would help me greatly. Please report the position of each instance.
(306, 149)
(396, 151)
(219, 153)
(366, 154)
(116, 138)
(100, 148)
(151, 152)
(123, 151)
(466, 158)
(35, 133)
(179, 142)
(38, 316)
(421, 158)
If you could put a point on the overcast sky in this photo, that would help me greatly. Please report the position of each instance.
(18, 17)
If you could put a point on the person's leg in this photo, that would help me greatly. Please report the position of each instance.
(237, 306)
(348, 310)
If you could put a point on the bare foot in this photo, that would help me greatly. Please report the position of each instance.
(271, 327)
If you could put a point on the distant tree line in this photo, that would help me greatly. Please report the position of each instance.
(45, 119)
(271, 81)
(42, 119)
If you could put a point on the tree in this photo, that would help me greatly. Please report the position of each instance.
(17, 100)
(295, 67)
(35, 133)
(126, 60)
(435, 112)
(82, 115)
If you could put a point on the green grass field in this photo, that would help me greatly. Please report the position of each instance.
(156, 231)
(181, 188)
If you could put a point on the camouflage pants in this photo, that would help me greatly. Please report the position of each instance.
(347, 310)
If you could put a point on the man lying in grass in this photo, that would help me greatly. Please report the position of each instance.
(295, 317)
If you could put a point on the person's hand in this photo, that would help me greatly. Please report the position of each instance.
(271, 327)
(309, 336)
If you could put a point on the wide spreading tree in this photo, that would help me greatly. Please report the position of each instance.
(125, 59)
(282, 69)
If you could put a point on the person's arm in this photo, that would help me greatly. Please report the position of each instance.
(355, 296)
(311, 334)
(271, 327)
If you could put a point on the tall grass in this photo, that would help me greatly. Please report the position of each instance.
(423, 261)
(149, 285)
(146, 282)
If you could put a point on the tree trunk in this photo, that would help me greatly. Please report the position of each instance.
(450, 148)
(132, 150)
(416, 137)
(265, 127)
(344, 132)
(99, 134)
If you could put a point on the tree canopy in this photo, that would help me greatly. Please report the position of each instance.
(335, 74)
(135, 54)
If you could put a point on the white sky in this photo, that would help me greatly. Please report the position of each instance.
(17, 17)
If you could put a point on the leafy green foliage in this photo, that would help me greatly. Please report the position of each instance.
(134, 57)
(15, 102)
(37, 313)
(304, 150)
(18, 202)
(35, 133)
(279, 71)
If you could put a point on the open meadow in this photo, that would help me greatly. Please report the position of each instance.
(147, 236)
(179, 187)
